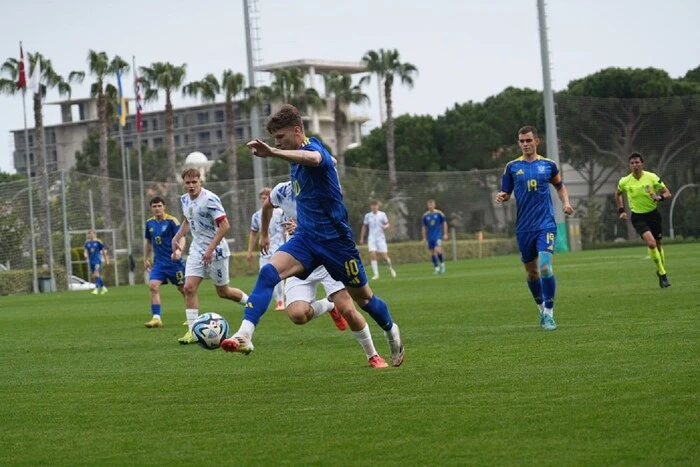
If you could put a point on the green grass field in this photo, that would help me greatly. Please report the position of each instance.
(84, 383)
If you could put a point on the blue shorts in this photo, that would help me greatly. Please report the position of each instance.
(175, 274)
(531, 243)
(434, 243)
(95, 267)
(339, 256)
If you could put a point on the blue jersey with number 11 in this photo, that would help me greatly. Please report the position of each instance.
(321, 214)
(530, 183)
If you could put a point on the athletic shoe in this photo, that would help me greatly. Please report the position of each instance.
(437, 270)
(338, 319)
(663, 281)
(154, 323)
(238, 343)
(186, 324)
(542, 315)
(188, 338)
(95, 291)
(393, 273)
(103, 291)
(375, 361)
(549, 323)
(374, 278)
(396, 348)
(280, 305)
(442, 268)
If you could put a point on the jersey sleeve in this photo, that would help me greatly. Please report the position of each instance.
(366, 219)
(174, 225)
(315, 145)
(425, 220)
(555, 179)
(255, 222)
(658, 184)
(385, 219)
(507, 180)
(147, 233)
(275, 195)
(621, 185)
(216, 208)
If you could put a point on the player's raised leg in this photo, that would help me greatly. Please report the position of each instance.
(359, 327)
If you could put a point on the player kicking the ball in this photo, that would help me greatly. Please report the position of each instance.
(323, 235)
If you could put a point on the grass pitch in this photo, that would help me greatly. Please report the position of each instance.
(84, 383)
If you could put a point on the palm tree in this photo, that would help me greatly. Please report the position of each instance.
(386, 64)
(231, 85)
(101, 68)
(48, 79)
(169, 78)
(340, 87)
(288, 86)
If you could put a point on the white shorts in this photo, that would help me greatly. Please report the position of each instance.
(217, 270)
(377, 244)
(297, 289)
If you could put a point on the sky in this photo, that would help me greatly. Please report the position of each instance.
(464, 50)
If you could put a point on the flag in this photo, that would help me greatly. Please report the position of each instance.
(21, 74)
(121, 100)
(139, 101)
(34, 84)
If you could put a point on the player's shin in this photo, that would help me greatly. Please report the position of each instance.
(379, 311)
(262, 293)
(656, 257)
(364, 338)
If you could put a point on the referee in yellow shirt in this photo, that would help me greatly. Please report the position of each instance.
(644, 190)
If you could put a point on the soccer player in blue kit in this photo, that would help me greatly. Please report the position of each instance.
(529, 177)
(323, 235)
(434, 231)
(160, 230)
(95, 253)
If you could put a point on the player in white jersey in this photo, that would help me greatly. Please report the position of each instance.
(277, 238)
(376, 222)
(301, 293)
(208, 255)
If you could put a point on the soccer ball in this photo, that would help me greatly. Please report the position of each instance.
(210, 329)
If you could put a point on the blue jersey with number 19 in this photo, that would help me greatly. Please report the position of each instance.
(321, 214)
(530, 182)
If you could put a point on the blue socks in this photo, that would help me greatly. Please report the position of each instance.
(536, 290)
(439, 257)
(377, 309)
(435, 260)
(259, 299)
(98, 282)
(549, 287)
(155, 310)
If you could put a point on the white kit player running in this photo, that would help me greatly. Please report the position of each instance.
(301, 293)
(376, 222)
(208, 255)
(277, 238)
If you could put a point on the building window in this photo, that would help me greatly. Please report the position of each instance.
(144, 125)
(177, 140)
(204, 137)
(219, 116)
(202, 117)
(157, 142)
(219, 135)
(239, 133)
(155, 124)
(54, 156)
(176, 121)
(128, 144)
(31, 140)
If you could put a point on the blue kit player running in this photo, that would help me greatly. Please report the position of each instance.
(95, 254)
(529, 177)
(434, 230)
(323, 235)
(160, 230)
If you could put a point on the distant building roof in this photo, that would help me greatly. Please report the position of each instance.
(320, 66)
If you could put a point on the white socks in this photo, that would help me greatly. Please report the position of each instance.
(191, 314)
(244, 300)
(549, 312)
(393, 334)
(247, 328)
(375, 267)
(541, 307)
(321, 306)
(279, 291)
(364, 337)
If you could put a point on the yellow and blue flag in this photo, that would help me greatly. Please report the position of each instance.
(121, 101)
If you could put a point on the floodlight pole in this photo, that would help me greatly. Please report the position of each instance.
(255, 109)
(550, 119)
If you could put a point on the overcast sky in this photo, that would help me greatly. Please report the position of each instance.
(464, 50)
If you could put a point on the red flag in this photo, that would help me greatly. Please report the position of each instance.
(22, 76)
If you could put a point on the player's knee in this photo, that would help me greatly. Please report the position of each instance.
(154, 287)
(222, 292)
(189, 289)
(299, 312)
(544, 264)
(268, 276)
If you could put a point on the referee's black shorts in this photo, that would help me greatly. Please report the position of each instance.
(649, 221)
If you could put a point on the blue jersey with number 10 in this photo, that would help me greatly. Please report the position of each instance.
(530, 182)
(321, 214)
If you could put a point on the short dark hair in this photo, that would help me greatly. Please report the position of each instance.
(156, 200)
(191, 172)
(635, 155)
(287, 116)
(374, 202)
(528, 129)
